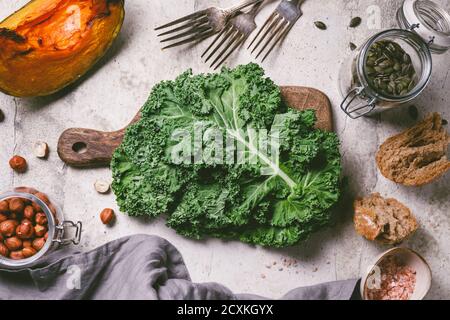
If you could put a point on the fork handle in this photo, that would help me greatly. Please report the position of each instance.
(244, 5)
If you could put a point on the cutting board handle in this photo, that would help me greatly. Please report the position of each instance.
(88, 148)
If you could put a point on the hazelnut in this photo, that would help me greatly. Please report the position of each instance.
(4, 251)
(39, 230)
(28, 213)
(18, 164)
(41, 218)
(38, 243)
(25, 231)
(107, 216)
(16, 205)
(1, 238)
(8, 227)
(40, 149)
(28, 252)
(13, 243)
(36, 207)
(3, 217)
(102, 186)
(16, 255)
(27, 244)
(4, 206)
(25, 190)
(43, 197)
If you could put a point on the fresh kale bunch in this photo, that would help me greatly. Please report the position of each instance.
(268, 198)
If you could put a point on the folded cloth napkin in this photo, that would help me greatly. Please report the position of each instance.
(137, 267)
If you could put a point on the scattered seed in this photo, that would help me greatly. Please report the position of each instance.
(281, 269)
(320, 25)
(413, 112)
(2, 116)
(352, 46)
(444, 122)
(316, 269)
(263, 276)
(355, 22)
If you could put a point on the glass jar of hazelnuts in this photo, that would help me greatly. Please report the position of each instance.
(31, 226)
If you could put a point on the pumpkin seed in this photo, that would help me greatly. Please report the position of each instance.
(444, 122)
(320, 25)
(390, 69)
(352, 46)
(355, 22)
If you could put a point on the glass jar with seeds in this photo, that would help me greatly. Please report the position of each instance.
(394, 66)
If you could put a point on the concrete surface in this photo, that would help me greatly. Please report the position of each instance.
(111, 94)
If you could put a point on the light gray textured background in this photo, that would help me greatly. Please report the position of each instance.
(113, 92)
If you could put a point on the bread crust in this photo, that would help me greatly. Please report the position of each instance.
(387, 221)
(417, 156)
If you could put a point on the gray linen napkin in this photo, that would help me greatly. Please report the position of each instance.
(132, 268)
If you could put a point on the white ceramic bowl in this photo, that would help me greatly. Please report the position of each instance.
(411, 259)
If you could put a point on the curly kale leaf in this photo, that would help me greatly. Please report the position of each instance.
(264, 200)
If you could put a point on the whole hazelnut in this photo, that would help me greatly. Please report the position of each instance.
(38, 243)
(16, 205)
(16, 255)
(28, 212)
(41, 218)
(107, 216)
(43, 197)
(28, 252)
(3, 217)
(25, 231)
(4, 206)
(27, 244)
(39, 230)
(13, 243)
(18, 164)
(4, 251)
(8, 227)
(36, 207)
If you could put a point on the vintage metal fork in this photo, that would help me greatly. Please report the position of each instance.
(277, 26)
(200, 25)
(237, 30)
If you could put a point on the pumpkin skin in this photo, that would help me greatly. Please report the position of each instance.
(48, 44)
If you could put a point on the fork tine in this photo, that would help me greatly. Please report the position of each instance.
(215, 41)
(198, 37)
(185, 18)
(185, 26)
(278, 40)
(241, 41)
(276, 32)
(194, 30)
(235, 36)
(262, 28)
(226, 37)
(269, 29)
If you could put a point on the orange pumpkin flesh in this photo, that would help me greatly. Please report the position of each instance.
(48, 44)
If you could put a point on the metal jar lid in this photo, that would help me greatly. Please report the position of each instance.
(429, 20)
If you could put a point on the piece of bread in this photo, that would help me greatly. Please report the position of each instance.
(417, 156)
(384, 220)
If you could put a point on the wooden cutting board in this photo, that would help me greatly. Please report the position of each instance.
(85, 148)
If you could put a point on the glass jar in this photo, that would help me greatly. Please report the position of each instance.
(59, 231)
(425, 29)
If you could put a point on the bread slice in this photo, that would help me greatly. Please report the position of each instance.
(384, 220)
(417, 156)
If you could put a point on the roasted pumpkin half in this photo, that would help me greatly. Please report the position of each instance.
(48, 44)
